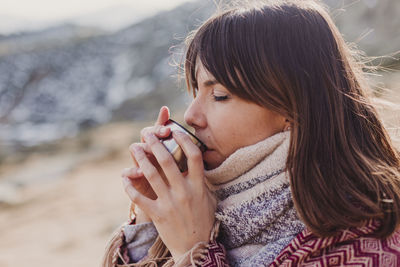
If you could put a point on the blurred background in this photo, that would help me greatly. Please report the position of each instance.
(79, 79)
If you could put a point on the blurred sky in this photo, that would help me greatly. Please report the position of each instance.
(25, 15)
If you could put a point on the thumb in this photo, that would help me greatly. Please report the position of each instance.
(163, 116)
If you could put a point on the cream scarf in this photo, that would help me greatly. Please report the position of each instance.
(255, 208)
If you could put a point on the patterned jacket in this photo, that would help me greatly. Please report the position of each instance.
(351, 247)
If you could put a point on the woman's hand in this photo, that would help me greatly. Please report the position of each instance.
(183, 212)
(134, 174)
(137, 179)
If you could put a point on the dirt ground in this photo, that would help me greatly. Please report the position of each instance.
(67, 222)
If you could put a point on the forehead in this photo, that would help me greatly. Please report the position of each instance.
(201, 74)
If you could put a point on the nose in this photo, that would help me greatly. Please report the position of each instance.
(195, 115)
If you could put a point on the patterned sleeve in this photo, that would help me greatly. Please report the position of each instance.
(215, 257)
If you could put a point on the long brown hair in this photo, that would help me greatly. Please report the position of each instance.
(290, 58)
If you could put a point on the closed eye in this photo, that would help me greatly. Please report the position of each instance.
(220, 98)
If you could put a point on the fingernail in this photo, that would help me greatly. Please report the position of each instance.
(139, 171)
(163, 130)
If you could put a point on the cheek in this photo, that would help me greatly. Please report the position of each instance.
(228, 128)
(226, 136)
(243, 129)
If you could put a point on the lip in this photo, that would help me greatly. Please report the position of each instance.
(202, 140)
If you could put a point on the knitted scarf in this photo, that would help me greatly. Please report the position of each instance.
(255, 216)
(255, 209)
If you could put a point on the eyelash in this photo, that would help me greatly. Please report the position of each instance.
(216, 98)
(220, 98)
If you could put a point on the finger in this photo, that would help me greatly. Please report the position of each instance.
(146, 149)
(150, 172)
(159, 130)
(144, 146)
(144, 203)
(148, 152)
(163, 116)
(192, 153)
(132, 172)
(165, 160)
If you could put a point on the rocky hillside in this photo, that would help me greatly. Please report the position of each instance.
(57, 81)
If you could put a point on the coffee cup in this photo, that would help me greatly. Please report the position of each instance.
(175, 150)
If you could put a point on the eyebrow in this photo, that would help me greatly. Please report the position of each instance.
(207, 83)
(210, 83)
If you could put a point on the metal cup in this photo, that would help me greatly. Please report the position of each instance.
(175, 149)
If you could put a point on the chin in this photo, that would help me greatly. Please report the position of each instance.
(211, 165)
(207, 166)
(212, 159)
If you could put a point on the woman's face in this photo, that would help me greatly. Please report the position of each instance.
(225, 122)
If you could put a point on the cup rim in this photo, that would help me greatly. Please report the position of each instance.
(187, 131)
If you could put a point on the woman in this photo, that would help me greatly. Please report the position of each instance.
(299, 169)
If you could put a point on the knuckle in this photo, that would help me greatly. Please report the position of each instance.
(157, 217)
(126, 188)
(168, 209)
(150, 129)
(131, 146)
(134, 197)
(140, 156)
(166, 161)
(138, 151)
(183, 198)
(144, 131)
(196, 155)
(185, 137)
(156, 129)
(152, 175)
(146, 147)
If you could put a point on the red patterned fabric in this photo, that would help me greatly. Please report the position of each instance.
(352, 247)
(215, 256)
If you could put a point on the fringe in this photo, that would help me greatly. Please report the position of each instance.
(112, 251)
(215, 231)
(193, 257)
(158, 254)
